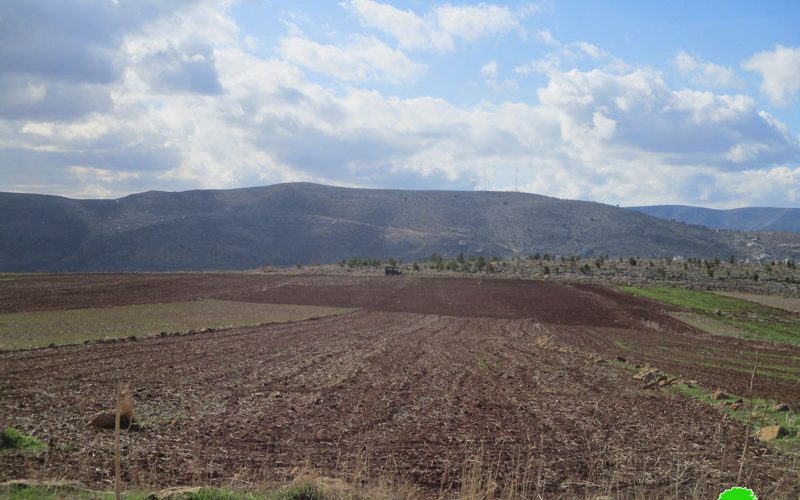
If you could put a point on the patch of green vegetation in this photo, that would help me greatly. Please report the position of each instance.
(622, 364)
(12, 439)
(42, 328)
(215, 494)
(26, 491)
(299, 492)
(759, 322)
(755, 412)
(23, 491)
(10, 276)
(706, 302)
(762, 414)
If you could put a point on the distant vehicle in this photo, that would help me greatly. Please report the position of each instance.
(392, 271)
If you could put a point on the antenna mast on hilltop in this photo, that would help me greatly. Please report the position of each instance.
(516, 179)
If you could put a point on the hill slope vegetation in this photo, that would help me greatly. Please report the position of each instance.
(294, 223)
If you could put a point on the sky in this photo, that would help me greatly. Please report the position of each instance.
(620, 102)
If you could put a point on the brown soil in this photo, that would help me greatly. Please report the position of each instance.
(429, 374)
(548, 302)
(791, 304)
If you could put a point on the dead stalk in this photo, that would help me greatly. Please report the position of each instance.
(749, 421)
(117, 451)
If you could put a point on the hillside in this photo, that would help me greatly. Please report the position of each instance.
(294, 223)
(740, 219)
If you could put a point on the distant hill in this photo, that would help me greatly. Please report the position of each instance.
(294, 223)
(741, 219)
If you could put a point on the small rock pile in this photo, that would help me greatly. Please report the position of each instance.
(547, 342)
(652, 378)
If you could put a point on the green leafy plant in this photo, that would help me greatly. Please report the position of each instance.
(11, 438)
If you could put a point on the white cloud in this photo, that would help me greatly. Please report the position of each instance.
(636, 114)
(780, 71)
(440, 28)
(590, 50)
(363, 59)
(776, 186)
(546, 37)
(746, 151)
(35, 128)
(570, 53)
(472, 23)
(707, 107)
(103, 175)
(545, 66)
(705, 74)
(490, 72)
(615, 134)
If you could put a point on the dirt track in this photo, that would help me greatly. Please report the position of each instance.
(429, 374)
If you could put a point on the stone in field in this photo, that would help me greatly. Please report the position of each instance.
(105, 420)
(719, 395)
(772, 432)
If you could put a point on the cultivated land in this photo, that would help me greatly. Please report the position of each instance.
(787, 303)
(436, 386)
(42, 328)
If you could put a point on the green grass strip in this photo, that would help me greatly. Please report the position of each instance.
(758, 321)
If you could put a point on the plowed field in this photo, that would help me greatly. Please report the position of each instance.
(427, 378)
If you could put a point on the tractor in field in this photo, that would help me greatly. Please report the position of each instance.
(392, 271)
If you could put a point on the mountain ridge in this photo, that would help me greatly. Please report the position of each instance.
(303, 223)
(739, 219)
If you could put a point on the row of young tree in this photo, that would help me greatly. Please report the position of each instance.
(480, 264)
(368, 262)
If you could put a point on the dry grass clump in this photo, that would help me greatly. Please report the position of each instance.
(124, 409)
(125, 405)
